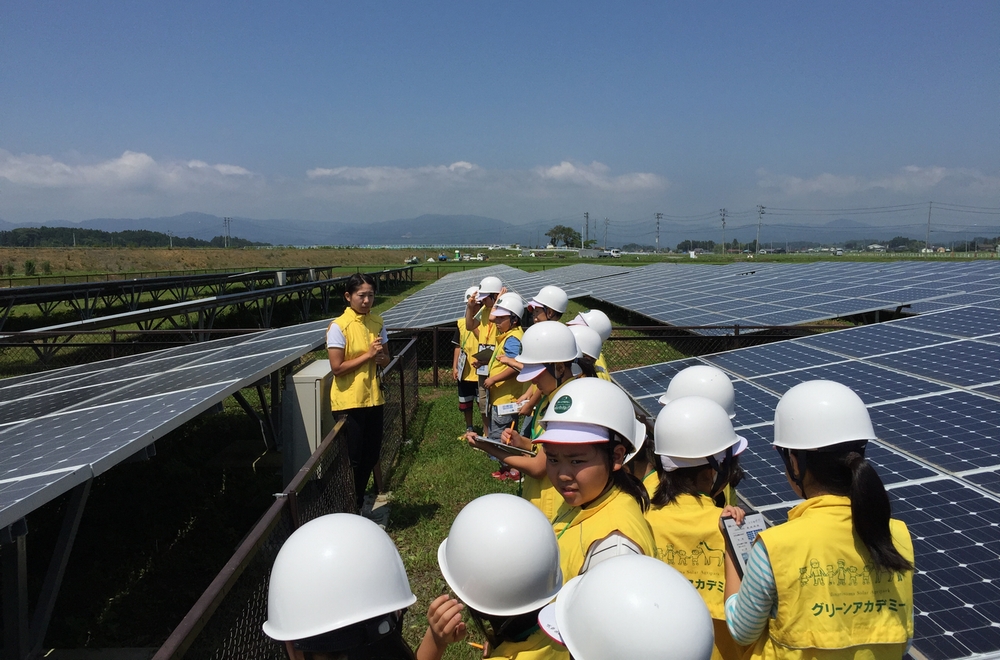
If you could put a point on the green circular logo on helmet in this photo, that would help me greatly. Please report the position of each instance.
(563, 404)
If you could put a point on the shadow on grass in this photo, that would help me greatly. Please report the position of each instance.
(408, 515)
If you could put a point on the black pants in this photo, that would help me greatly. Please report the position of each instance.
(364, 445)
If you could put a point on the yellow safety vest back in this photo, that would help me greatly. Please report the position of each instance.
(831, 598)
(358, 388)
(538, 646)
(469, 345)
(602, 368)
(505, 391)
(579, 528)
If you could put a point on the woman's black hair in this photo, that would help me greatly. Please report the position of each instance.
(355, 281)
(588, 366)
(624, 479)
(843, 470)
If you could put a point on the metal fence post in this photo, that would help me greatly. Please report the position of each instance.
(434, 355)
(402, 398)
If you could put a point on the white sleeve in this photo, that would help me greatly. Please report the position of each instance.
(384, 336)
(335, 337)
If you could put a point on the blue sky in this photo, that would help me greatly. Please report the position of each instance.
(523, 111)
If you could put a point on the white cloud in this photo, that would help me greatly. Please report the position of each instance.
(909, 179)
(387, 179)
(130, 170)
(596, 175)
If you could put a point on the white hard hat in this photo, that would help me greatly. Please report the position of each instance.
(471, 291)
(630, 606)
(332, 572)
(590, 402)
(509, 302)
(489, 285)
(552, 297)
(587, 340)
(820, 413)
(690, 429)
(501, 557)
(595, 319)
(703, 380)
(548, 341)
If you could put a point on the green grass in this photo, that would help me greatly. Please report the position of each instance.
(436, 476)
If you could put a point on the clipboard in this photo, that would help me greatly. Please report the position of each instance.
(740, 538)
(510, 449)
(485, 355)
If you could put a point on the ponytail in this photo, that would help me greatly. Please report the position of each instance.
(847, 472)
(588, 366)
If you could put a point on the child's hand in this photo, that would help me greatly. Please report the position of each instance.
(734, 512)
(444, 617)
(512, 437)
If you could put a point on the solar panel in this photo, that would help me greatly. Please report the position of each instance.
(867, 340)
(771, 358)
(960, 322)
(872, 383)
(961, 363)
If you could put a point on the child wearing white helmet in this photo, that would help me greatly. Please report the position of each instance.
(502, 383)
(502, 562)
(477, 321)
(711, 383)
(590, 429)
(697, 449)
(466, 346)
(589, 343)
(549, 305)
(600, 323)
(840, 553)
(548, 355)
(633, 608)
(338, 589)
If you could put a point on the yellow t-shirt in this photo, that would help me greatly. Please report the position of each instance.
(538, 646)
(469, 345)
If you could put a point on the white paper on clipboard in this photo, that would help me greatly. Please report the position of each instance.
(510, 449)
(740, 538)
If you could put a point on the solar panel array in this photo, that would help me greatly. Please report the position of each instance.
(932, 386)
(59, 428)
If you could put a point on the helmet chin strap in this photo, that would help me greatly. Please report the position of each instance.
(800, 457)
(721, 471)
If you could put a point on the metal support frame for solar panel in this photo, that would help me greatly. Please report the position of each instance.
(961, 540)
(160, 391)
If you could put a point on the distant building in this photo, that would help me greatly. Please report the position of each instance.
(875, 247)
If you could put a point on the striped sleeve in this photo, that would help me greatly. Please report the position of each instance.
(748, 610)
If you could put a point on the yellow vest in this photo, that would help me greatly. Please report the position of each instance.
(651, 481)
(831, 599)
(541, 492)
(486, 333)
(504, 391)
(602, 368)
(687, 538)
(469, 345)
(538, 646)
(577, 529)
(358, 388)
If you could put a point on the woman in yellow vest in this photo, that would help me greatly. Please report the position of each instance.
(589, 431)
(697, 449)
(836, 580)
(548, 354)
(357, 345)
(502, 561)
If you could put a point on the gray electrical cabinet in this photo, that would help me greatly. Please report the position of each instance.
(306, 415)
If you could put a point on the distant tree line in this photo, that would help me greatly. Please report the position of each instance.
(133, 238)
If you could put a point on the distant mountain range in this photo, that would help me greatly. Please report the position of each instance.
(471, 230)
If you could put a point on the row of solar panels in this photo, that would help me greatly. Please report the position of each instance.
(744, 294)
(932, 385)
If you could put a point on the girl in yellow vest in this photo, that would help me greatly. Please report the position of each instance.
(697, 449)
(589, 431)
(357, 345)
(462, 370)
(549, 305)
(477, 321)
(502, 383)
(599, 322)
(711, 383)
(548, 354)
(502, 561)
(836, 580)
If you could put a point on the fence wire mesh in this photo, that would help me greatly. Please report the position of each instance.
(225, 624)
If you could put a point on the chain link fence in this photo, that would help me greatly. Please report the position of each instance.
(225, 623)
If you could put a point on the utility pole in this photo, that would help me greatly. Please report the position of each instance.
(927, 240)
(659, 216)
(170, 235)
(722, 212)
(586, 222)
(226, 222)
(606, 221)
(760, 214)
